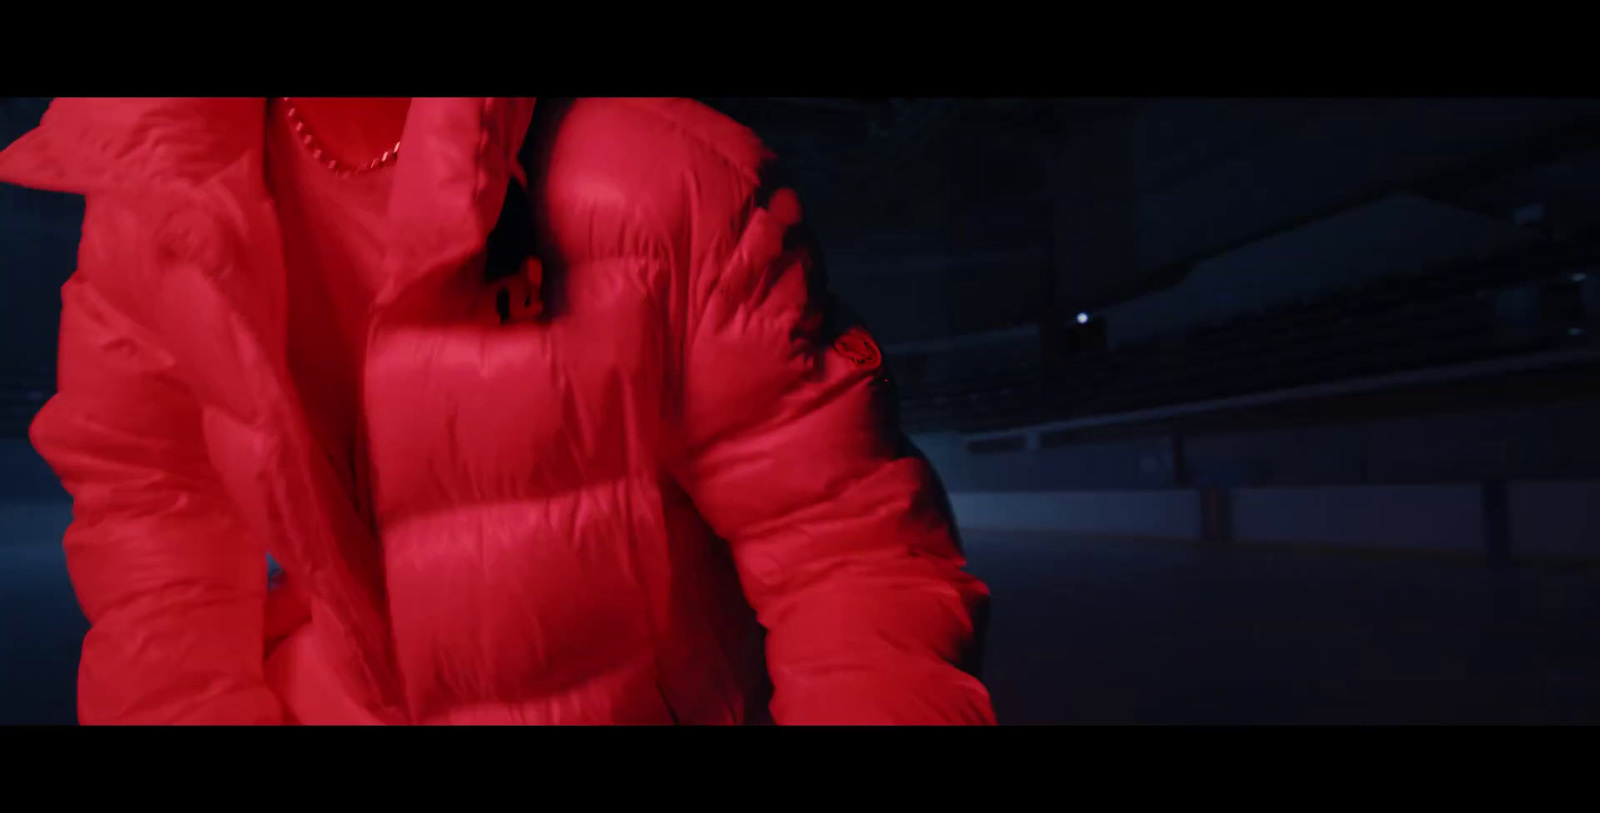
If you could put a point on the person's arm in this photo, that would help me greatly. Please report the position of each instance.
(172, 584)
(841, 538)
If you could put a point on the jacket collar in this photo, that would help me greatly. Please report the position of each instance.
(458, 156)
(197, 165)
(86, 146)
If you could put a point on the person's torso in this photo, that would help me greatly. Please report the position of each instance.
(538, 563)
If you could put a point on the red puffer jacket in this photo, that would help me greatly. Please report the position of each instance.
(549, 497)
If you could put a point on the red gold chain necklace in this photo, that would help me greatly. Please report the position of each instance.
(321, 155)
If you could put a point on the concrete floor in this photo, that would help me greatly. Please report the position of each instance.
(1141, 633)
(1150, 633)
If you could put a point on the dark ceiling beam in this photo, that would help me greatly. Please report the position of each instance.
(1356, 155)
(1572, 139)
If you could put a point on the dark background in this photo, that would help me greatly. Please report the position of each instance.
(1252, 410)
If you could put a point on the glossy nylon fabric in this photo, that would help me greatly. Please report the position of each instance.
(574, 519)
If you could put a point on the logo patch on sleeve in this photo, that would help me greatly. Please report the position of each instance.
(857, 346)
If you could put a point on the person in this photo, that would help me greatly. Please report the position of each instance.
(541, 406)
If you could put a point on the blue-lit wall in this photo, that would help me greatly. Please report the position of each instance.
(1533, 443)
(1405, 483)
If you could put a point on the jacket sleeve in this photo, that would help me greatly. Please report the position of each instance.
(173, 587)
(840, 534)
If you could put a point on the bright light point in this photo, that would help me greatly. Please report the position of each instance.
(1579, 277)
(1083, 318)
